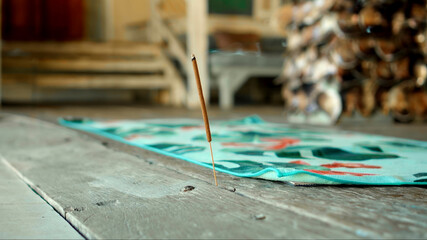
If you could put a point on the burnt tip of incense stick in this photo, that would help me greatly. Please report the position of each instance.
(193, 57)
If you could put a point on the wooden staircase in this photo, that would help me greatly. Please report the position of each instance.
(89, 65)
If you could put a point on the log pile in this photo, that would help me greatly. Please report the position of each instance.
(348, 56)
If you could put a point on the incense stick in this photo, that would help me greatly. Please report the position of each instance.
(204, 111)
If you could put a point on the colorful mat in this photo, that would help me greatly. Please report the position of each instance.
(251, 147)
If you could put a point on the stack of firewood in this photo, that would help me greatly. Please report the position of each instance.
(372, 53)
(310, 86)
(381, 57)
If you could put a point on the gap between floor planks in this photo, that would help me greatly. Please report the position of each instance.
(25, 214)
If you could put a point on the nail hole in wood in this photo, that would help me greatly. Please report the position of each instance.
(231, 189)
(187, 188)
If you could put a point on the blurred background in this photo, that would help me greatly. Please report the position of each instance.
(310, 62)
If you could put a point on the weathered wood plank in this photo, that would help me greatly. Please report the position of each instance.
(82, 48)
(83, 64)
(109, 194)
(25, 215)
(93, 66)
(98, 81)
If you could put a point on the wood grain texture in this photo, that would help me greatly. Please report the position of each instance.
(106, 193)
(375, 212)
(25, 215)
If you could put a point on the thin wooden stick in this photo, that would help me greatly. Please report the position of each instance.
(213, 164)
(204, 111)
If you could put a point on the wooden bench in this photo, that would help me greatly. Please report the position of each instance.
(88, 65)
(233, 70)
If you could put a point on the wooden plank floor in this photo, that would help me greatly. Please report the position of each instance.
(108, 189)
(25, 215)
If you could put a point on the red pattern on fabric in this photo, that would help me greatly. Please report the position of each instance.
(277, 143)
(300, 162)
(135, 136)
(348, 165)
(280, 143)
(236, 144)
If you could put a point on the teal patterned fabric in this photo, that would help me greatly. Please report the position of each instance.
(251, 147)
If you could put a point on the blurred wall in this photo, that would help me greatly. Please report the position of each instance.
(126, 13)
(124, 20)
(35, 20)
